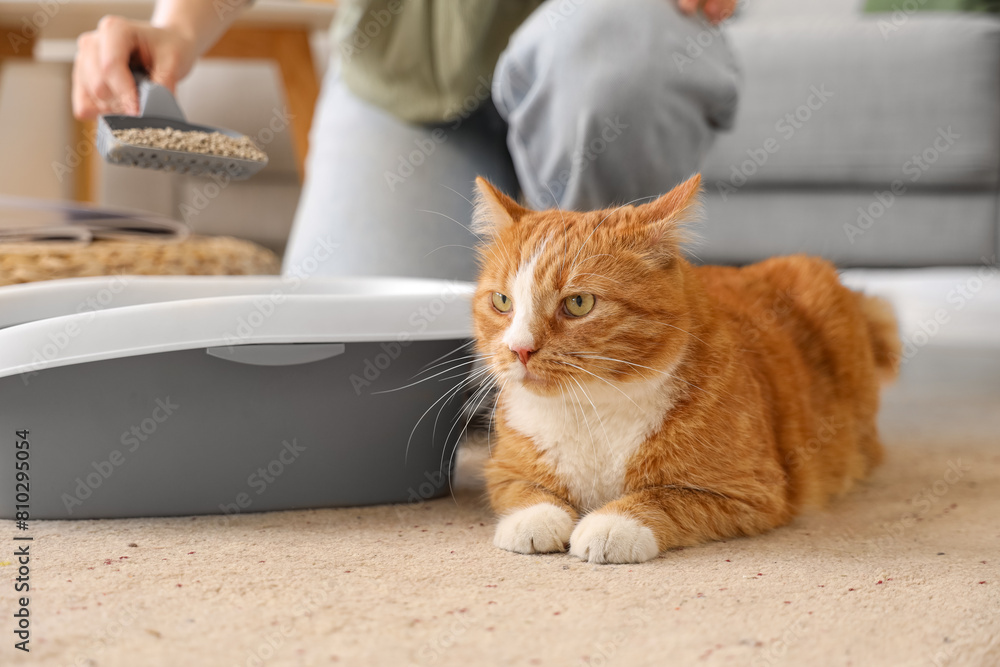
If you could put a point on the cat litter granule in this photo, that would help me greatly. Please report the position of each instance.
(208, 143)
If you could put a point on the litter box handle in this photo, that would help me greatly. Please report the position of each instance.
(280, 354)
(154, 99)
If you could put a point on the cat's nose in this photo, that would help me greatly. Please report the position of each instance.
(523, 353)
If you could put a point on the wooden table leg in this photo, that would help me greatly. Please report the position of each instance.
(85, 184)
(289, 48)
(14, 43)
(294, 57)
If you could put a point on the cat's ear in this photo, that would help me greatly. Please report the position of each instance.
(493, 209)
(664, 219)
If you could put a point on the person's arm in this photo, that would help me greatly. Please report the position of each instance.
(167, 46)
(202, 22)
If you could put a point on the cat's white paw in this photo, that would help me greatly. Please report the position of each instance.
(539, 529)
(612, 538)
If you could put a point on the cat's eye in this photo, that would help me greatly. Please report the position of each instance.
(502, 302)
(578, 305)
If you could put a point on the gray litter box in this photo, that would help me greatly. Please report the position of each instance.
(155, 396)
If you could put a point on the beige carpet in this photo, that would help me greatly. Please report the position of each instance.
(902, 572)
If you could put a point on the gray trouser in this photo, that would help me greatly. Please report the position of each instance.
(594, 103)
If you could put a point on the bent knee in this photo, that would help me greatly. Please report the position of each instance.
(608, 58)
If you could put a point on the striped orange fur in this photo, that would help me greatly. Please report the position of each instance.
(689, 404)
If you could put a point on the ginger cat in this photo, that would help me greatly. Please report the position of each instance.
(645, 403)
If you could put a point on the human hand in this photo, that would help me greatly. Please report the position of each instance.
(102, 80)
(716, 11)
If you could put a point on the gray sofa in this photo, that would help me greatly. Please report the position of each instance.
(891, 153)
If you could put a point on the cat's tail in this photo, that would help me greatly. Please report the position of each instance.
(883, 329)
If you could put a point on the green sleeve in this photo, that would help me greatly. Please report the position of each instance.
(425, 61)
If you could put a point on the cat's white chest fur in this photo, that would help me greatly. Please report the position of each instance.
(588, 437)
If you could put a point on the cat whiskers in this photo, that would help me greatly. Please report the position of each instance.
(493, 417)
(446, 187)
(450, 245)
(435, 363)
(448, 395)
(465, 227)
(590, 355)
(600, 421)
(478, 376)
(445, 215)
(586, 355)
(666, 324)
(482, 393)
(449, 353)
(486, 380)
(607, 382)
(578, 410)
(597, 412)
(473, 205)
(431, 377)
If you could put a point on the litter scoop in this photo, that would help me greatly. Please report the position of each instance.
(158, 110)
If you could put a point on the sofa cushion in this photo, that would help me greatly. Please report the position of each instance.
(864, 101)
(850, 227)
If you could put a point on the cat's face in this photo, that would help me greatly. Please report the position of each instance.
(568, 297)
